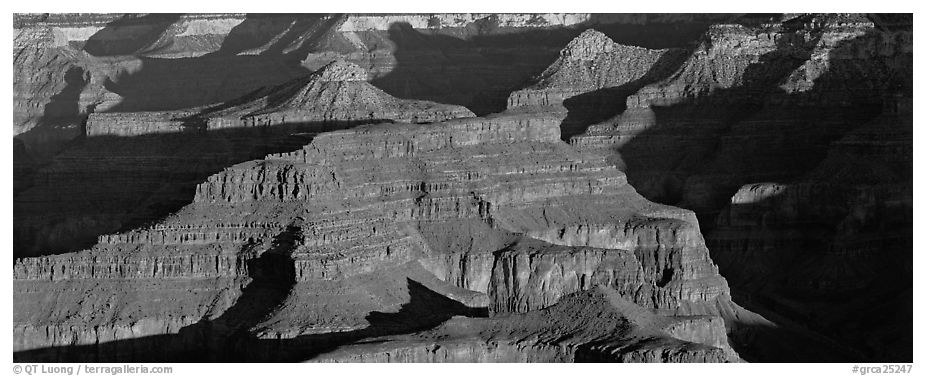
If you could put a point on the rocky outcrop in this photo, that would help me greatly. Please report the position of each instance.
(529, 278)
(763, 122)
(149, 160)
(597, 325)
(261, 229)
(772, 101)
(135, 124)
(68, 66)
(591, 62)
(338, 92)
(770, 81)
(337, 95)
(592, 75)
(360, 207)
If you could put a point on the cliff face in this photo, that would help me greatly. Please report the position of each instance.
(591, 75)
(769, 83)
(590, 62)
(67, 66)
(96, 75)
(311, 187)
(796, 132)
(358, 207)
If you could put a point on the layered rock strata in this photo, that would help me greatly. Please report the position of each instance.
(770, 83)
(590, 62)
(133, 168)
(777, 132)
(342, 230)
(337, 92)
(591, 74)
(67, 66)
(336, 95)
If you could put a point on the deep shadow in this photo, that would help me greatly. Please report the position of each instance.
(227, 339)
(174, 84)
(64, 106)
(61, 124)
(131, 34)
(846, 270)
(586, 109)
(717, 115)
(255, 31)
(478, 67)
(758, 132)
(179, 83)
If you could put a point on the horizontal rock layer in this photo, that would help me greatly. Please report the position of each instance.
(154, 148)
(359, 204)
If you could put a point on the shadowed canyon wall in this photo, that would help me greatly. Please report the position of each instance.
(783, 138)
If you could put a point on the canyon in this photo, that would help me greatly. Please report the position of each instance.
(463, 188)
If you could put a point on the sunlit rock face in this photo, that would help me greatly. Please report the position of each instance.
(386, 207)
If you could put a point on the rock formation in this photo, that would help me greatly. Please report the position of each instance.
(96, 63)
(109, 74)
(832, 70)
(765, 125)
(311, 188)
(136, 167)
(590, 76)
(375, 206)
(336, 95)
(595, 325)
(338, 92)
